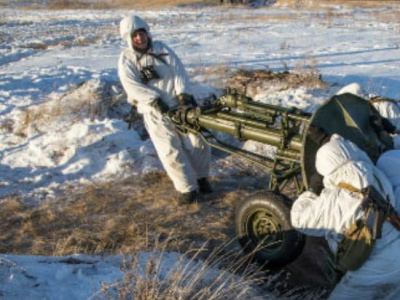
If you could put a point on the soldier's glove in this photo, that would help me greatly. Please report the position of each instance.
(318, 135)
(376, 123)
(316, 183)
(384, 137)
(159, 105)
(186, 100)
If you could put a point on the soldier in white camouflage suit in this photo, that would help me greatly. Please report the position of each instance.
(155, 80)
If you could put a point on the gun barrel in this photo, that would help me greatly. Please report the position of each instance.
(246, 129)
(244, 103)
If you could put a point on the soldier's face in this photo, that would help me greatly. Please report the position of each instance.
(140, 39)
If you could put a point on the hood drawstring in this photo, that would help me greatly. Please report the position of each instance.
(160, 57)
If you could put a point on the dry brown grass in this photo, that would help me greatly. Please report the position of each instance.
(251, 82)
(142, 214)
(161, 3)
(392, 16)
(312, 4)
(115, 217)
(134, 215)
(42, 46)
(107, 4)
(84, 100)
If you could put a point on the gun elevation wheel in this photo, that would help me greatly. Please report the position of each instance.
(263, 226)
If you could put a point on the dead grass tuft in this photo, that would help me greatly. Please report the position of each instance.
(89, 99)
(161, 3)
(27, 121)
(251, 82)
(7, 125)
(364, 4)
(14, 205)
(315, 5)
(41, 46)
(188, 278)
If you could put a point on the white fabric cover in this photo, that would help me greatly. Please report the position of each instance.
(389, 163)
(336, 153)
(185, 158)
(390, 111)
(352, 88)
(331, 213)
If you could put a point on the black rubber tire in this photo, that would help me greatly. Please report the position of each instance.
(264, 230)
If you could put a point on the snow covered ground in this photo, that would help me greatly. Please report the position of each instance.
(62, 108)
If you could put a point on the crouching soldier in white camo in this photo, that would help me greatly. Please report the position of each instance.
(347, 170)
(155, 80)
(389, 109)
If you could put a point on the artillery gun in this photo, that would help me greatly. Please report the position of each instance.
(262, 221)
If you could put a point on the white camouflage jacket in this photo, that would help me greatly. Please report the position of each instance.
(331, 213)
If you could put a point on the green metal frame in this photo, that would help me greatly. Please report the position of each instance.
(284, 128)
(240, 116)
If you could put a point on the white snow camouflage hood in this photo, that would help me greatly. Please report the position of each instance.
(337, 153)
(389, 163)
(129, 25)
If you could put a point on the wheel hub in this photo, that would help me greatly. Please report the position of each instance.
(265, 227)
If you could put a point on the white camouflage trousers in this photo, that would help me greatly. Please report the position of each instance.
(185, 158)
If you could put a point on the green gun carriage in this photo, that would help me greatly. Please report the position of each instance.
(262, 221)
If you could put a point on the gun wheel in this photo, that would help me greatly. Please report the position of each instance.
(263, 226)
